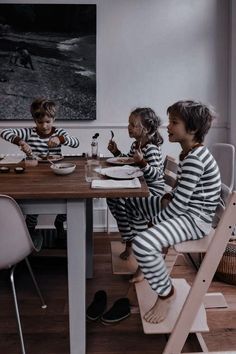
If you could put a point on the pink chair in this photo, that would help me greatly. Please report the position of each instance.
(15, 245)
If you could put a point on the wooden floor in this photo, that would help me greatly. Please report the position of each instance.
(46, 331)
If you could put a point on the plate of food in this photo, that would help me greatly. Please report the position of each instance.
(47, 158)
(121, 160)
(124, 172)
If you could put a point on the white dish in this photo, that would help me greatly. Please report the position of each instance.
(52, 158)
(124, 172)
(125, 160)
(63, 168)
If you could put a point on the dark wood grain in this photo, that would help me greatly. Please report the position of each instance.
(40, 182)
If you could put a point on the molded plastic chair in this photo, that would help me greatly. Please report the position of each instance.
(225, 155)
(15, 245)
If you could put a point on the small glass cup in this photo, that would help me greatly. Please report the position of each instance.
(31, 161)
(92, 169)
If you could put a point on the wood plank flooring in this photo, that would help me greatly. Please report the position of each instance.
(46, 331)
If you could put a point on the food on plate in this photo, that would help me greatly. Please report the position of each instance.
(125, 159)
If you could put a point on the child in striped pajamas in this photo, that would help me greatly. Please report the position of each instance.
(40, 140)
(146, 152)
(184, 214)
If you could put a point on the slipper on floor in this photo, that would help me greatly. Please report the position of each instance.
(98, 306)
(118, 312)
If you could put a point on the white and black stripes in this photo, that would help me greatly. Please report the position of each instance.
(154, 171)
(153, 174)
(198, 189)
(38, 144)
(148, 245)
(188, 216)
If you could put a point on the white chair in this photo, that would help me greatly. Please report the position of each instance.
(15, 245)
(225, 155)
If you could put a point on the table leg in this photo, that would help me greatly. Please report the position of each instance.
(89, 238)
(76, 233)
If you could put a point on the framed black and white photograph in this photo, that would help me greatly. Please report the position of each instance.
(48, 50)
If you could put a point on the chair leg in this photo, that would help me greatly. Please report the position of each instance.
(16, 309)
(44, 306)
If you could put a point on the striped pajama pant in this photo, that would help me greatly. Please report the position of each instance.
(148, 244)
(120, 209)
(133, 216)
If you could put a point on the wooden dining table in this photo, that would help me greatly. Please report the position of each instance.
(39, 191)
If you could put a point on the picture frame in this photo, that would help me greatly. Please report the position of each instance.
(48, 50)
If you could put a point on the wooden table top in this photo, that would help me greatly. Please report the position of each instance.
(40, 182)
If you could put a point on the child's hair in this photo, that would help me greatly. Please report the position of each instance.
(41, 107)
(196, 116)
(151, 122)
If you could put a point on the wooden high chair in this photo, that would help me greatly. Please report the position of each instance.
(187, 314)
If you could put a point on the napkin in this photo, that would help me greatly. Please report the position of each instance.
(11, 159)
(115, 184)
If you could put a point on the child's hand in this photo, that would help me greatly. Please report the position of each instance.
(112, 147)
(54, 141)
(138, 155)
(25, 147)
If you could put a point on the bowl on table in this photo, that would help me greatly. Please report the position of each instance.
(63, 168)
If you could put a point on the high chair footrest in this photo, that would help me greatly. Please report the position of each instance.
(147, 298)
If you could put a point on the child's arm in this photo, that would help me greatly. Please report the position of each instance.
(150, 162)
(63, 138)
(191, 172)
(15, 135)
(18, 136)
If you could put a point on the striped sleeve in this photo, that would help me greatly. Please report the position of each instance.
(69, 140)
(191, 172)
(198, 189)
(10, 134)
(154, 168)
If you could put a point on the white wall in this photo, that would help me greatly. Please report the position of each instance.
(153, 53)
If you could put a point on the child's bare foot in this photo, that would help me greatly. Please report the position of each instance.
(160, 309)
(137, 277)
(127, 252)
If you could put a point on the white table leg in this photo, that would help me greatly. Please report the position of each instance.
(76, 238)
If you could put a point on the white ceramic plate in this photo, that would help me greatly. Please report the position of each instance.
(124, 172)
(121, 160)
(63, 168)
(52, 158)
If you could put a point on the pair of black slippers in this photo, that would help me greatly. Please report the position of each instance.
(118, 312)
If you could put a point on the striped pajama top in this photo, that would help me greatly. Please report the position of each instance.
(153, 172)
(198, 189)
(37, 142)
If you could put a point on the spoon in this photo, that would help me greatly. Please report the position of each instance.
(52, 163)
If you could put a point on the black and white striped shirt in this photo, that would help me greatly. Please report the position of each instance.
(198, 189)
(153, 172)
(37, 142)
